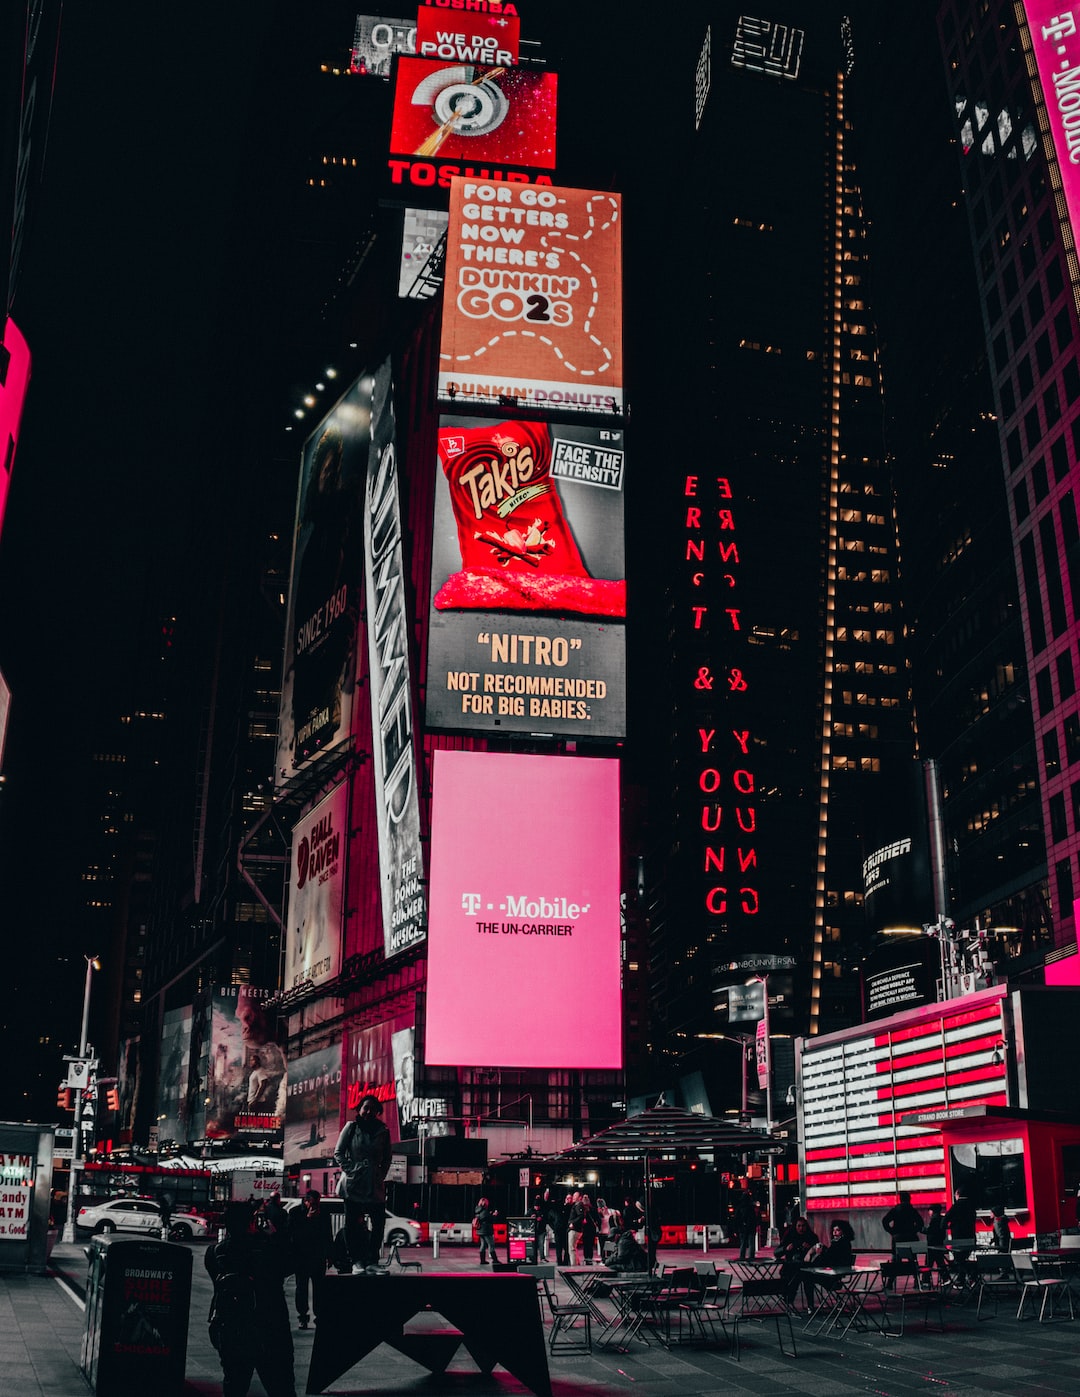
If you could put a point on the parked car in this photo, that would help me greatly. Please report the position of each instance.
(138, 1215)
(398, 1232)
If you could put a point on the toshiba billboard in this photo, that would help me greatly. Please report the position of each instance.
(524, 911)
(477, 111)
(533, 302)
(527, 629)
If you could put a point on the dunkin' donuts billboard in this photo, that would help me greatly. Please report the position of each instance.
(528, 612)
(533, 300)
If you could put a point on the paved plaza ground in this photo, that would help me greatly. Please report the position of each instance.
(42, 1322)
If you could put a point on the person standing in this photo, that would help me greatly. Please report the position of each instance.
(249, 1318)
(903, 1222)
(960, 1220)
(165, 1215)
(363, 1153)
(574, 1227)
(746, 1220)
(603, 1227)
(484, 1222)
(553, 1225)
(937, 1235)
(1002, 1230)
(588, 1230)
(312, 1240)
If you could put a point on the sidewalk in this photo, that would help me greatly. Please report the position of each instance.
(43, 1326)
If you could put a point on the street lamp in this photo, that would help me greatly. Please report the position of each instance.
(765, 1069)
(92, 963)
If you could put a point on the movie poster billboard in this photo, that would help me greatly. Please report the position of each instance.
(483, 112)
(524, 900)
(316, 891)
(460, 37)
(389, 626)
(376, 39)
(323, 611)
(532, 309)
(172, 1102)
(528, 614)
(415, 1110)
(313, 1105)
(246, 1076)
(128, 1083)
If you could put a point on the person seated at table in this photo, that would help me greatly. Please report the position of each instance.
(629, 1254)
(796, 1244)
(837, 1255)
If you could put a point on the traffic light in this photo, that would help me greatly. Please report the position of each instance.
(63, 1098)
(112, 1098)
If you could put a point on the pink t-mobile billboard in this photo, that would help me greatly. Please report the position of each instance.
(1055, 40)
(523, 937)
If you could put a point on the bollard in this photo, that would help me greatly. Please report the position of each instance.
(705, 1239)
(435, 1245)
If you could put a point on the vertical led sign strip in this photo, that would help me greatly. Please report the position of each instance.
(397, 801)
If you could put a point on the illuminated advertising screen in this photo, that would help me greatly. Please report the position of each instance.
(856, 1087)
(389, 626)
(246, 1074)
(324, 588)
(5, 714)
(13, 385)
(173, 1073)
(128, 1083)
(524, 911)
(376, 39)
(482, 112)
(533, 301)
(1055, 40)
(422, 232)
(457, 36)
(313, 1105)
(316, 886)
(369, 1069)
(528, 613)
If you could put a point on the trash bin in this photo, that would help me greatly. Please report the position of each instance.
(138, 1301)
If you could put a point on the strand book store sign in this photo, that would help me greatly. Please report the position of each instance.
(533, 308)
(528, 616)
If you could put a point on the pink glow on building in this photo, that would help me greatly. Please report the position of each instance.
(524, 930)
(14, 379)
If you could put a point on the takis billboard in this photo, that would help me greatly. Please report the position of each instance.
(527, 628)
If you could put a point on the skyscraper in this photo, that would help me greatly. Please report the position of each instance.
(789, 683)
(1011, 78)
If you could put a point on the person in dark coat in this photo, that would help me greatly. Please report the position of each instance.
(363, 1155)
(836, 1255)
(960, 1220)
(484, 1222)
(937, 1238)
(629, 1254)
(249, 1317)
(746, 1220)
(312, 1238)
(903, 1223)
(796, 1244)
